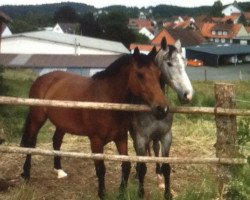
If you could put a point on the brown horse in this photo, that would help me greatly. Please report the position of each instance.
(130, 77)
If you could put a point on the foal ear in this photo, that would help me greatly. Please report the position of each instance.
(178, 45)
(136, 53)
(164, 43)
(152, 53)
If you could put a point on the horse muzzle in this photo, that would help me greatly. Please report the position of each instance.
(160, 112)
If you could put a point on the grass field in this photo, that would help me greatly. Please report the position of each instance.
(193, 135)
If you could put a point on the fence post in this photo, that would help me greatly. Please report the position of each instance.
(226, 131)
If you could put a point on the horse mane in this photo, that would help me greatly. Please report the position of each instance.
(123, 61)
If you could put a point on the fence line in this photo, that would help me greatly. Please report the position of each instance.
(121, 107)
(119, 158)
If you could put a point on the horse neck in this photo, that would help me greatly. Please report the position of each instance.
(118, 86)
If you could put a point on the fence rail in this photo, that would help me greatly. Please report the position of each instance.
(121, 107)
(119, 158)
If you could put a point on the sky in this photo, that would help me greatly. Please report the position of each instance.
(138, 3)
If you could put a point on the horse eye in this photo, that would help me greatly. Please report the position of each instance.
(140, 76)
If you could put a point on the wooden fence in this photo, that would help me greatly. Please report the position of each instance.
(225, 117)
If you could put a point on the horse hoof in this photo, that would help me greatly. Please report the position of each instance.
(168, 196)
(25, 176)
(160, 182)
(60, 173)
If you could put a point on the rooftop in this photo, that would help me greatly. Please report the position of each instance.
(71, 39)
(222, 49)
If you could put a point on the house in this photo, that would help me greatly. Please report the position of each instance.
(147, 33)
(138, 24)
(47, 42)
(71, 28)
(3, 20)
(6, 31)
(222, 33)
(232, 8)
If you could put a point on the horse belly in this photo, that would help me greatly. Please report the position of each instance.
(66, 119)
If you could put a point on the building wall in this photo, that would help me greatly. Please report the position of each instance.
(230, 9)
(6, 32)
(23, 45)
(242, 32)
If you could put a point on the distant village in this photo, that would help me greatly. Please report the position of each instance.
(213, 40)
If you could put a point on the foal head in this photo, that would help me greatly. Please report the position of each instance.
(173, 65)
(144, 82)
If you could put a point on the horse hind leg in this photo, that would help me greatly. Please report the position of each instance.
(97, 147)
(57, 142)
(31, 128)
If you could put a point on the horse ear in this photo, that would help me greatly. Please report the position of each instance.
(178, 45)
(163, 43)
(152, 53)
(136, 52)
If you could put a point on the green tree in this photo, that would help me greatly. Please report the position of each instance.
(89, 26)
(114, 27)
(66, 14)
(19, 26)
(1, 79)
(216, 9)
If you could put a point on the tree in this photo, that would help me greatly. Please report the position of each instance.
(216, 10)
(1, 79)
(89, 26)
(66, 14)
(114, 27)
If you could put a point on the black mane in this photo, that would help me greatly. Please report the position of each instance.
(121, 62)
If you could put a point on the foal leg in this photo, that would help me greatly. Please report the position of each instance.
(33, 123)
(166, 169)
(97, 147)
(156, 148)
(57, 142)
(141, 168)
(122, 147)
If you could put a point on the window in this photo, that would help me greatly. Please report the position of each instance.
(213, 32)
(219, 32)
(224, 32)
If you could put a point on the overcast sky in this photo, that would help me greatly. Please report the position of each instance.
(138, 3)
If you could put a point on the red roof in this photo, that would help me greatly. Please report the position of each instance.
(231, 29)
(163, 33)
(141, 23)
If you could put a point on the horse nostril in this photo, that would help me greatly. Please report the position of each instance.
(188, 96)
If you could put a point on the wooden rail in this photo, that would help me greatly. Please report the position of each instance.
(119, 158)
(121, 107)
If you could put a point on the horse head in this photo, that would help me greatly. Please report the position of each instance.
(172, 65)
(144, 82)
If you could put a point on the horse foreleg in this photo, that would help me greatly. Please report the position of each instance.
(57, 142)
(141, 168)
(122, 147)
(156, 148)
(97, 147)
(166, 169)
